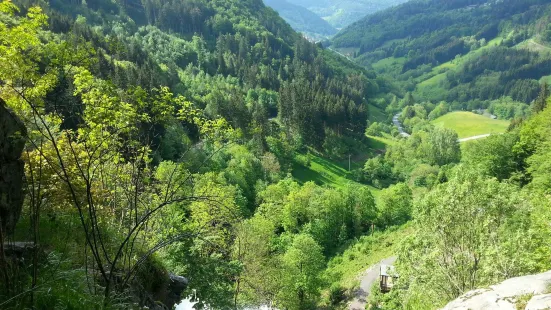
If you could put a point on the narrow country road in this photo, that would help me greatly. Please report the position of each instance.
(367, 279)
(474, 138)
(343, 55)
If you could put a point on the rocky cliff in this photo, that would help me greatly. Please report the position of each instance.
(12, 140)
(529, 292)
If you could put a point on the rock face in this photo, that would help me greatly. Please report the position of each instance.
(12, 173)
(539, 302)
(528, 292)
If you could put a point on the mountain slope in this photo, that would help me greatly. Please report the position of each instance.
(460, 51)
(142, 107)
(302, 20)
(341, 13)
(205, 42)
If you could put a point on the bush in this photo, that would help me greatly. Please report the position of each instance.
(377, 129)
(336, 294)
(152, 275)
(351, 256)
(378, 172)
(303, 160)
(356, 175)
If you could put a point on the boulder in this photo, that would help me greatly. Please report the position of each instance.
(508, 295)
(12, 173)
(176, 286)
(539, 302)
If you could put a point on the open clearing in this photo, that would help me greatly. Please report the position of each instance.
(468, 124)
(376, 114)
(323, 171)
(334, 173)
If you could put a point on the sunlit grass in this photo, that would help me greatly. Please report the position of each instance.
(380, 143)
(326, 172)
(376, 114)
(387, 62)
(433, 81)
(546, 78)
(468, 124)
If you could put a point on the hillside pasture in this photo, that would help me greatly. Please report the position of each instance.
(468, 124)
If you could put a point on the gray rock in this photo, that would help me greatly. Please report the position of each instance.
(19, 253)
(176, 286)
(539, 302)
(12, 174)
(505, 294)
(178, 283)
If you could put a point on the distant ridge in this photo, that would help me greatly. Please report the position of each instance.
(302, 19)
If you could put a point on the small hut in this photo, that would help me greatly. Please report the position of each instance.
(387, 277)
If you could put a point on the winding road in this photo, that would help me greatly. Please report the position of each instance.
(367, 279)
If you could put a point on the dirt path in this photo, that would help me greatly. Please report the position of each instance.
(474, 138)
(367, 279)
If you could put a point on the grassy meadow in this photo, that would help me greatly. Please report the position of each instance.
(324, 171)
(468, 124)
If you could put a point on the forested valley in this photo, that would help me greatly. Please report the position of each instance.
(202, 150)
(470, 54)
(302, 20)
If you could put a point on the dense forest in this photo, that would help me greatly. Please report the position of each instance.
(154, 151)
(466, 53)
(160, 136)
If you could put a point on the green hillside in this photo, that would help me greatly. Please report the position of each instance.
(302, 19)
(203, 152)
(470, 53)
(325, 172)
(341, 13)
(158, 133)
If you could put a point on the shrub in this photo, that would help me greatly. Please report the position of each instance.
(336, 294)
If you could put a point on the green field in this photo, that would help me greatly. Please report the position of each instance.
(389, 62)
(380, 143)
(326, 172)
(468, 124)
(433, 81)
(546, 79)
(376, 114)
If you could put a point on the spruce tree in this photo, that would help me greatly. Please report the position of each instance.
(541, 102)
